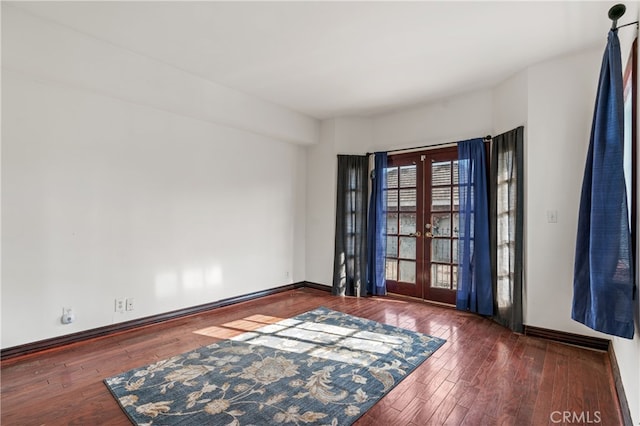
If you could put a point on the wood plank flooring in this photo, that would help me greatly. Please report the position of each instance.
(483, 375)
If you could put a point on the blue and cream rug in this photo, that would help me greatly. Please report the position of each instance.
(322, 367)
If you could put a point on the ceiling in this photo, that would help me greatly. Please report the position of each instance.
(330, 59)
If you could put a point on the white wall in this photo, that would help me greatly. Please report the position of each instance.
(108, 191)
(450, 120)
(41, 48)
(511, 103)
(560, 110)
(321, 206)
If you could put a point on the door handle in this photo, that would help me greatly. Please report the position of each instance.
(415, 234)
(428, 233)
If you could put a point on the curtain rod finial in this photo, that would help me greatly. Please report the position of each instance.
(615, 13)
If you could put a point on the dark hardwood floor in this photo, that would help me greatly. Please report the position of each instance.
(483, 375)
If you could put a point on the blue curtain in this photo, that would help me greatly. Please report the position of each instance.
(377, 228)
(603, 283)
(475, 289)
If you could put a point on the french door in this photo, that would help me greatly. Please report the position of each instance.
(422, 224)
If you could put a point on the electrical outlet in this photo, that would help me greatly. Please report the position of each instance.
(120, 305)
(130, 303)
(68, 316)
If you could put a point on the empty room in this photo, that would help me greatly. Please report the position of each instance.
(322, 213)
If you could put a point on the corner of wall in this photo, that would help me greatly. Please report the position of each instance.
(511, 103)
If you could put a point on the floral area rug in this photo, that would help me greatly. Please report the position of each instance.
(322, 367)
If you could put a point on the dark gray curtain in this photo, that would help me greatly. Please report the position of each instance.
(350, 261)
(507, 227)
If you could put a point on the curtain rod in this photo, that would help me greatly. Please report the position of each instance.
(485, 139)
(626, 25)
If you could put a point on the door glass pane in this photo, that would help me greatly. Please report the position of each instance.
(391, 269)
(392, 223)
(440, 275)
(407, 176)
(454, 250)
(455, 277)
(456, 198)
(440, 250)
(407, 271)
(407, 223)
(407, 200)
(392, 177)
(441, 199)
(407, 247)
(456, 225)
(392, 247)
(392, 200)
(441, 224)
(441, 173)
(455, 172)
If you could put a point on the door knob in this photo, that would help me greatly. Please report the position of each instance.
(428, 235)
(415, 234)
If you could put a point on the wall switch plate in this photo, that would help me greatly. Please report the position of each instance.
(120, 305)
(129, 303)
